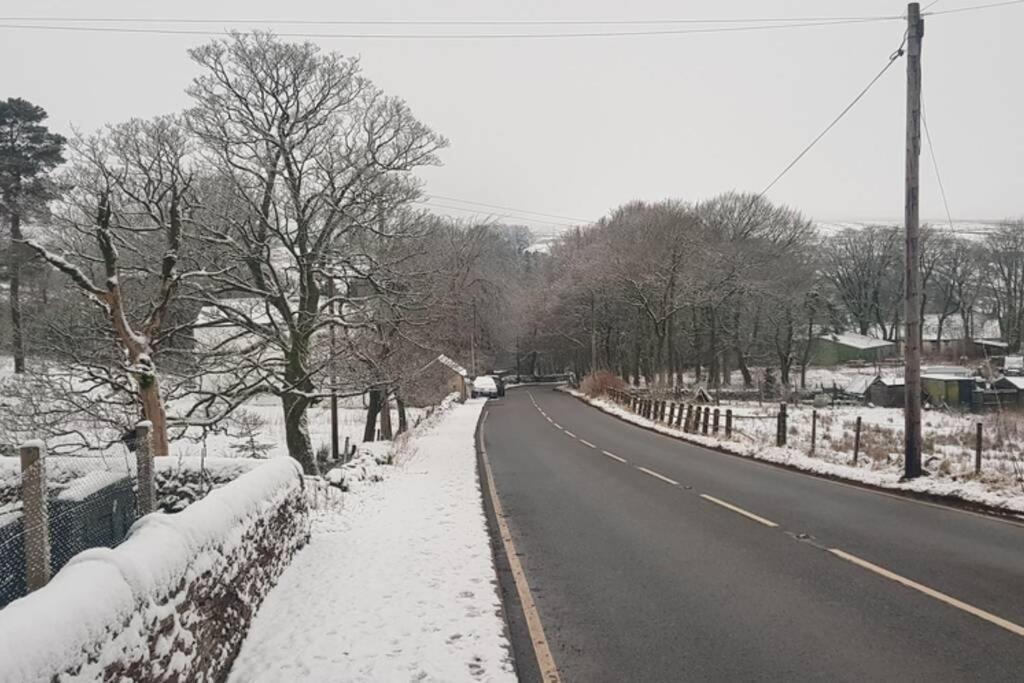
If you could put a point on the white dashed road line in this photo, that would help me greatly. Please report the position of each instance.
(587, 443)
(568, 433)
(739, 510)
(658, 476)
(613, 456)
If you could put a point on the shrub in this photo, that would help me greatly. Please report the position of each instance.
(599, 383)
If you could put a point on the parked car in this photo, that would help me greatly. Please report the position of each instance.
(485, 385)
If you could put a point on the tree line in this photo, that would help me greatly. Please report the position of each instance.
(263, 240)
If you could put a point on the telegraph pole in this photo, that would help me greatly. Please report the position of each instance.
(912, 263)
(335, 452)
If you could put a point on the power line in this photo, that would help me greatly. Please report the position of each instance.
(935, 165)
(973, 8)
(509, 208)
(435, 205)
(892, 60)
(446, 22)
(451, 36)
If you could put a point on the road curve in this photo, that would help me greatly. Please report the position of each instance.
(650, 559)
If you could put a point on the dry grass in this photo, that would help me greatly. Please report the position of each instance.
(599, 383)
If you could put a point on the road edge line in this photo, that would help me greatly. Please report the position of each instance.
(740, 511)
(538, 639)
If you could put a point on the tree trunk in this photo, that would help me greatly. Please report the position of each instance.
(403, 421)
(17, 330)
(385, 416)
(372, 410)
(296, 432)
(153, 410)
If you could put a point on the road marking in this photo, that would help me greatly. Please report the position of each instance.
(931, 592)
(658, 476)
(557, 426)
(545, 661)
(613, 456)
(568, 433)
(549, 419)
(739, 510)
(587, 443)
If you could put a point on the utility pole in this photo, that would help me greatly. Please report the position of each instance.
(912, 264)
(472, 341)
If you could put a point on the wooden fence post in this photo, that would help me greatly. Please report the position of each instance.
(977, 452)
(780, 436)
(146, 484)
(705, 414)
(714, 426)
(695, 425)
(814, 430)
(856, 441)
(344, 453)
(671, 412)
(679, 416)
(688, 423)
(35, 514)
(661, 412)
(728, 423)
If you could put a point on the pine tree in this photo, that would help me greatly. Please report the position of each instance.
(28, 152)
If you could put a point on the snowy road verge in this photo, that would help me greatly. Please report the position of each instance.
(973, 493)
(398, 584)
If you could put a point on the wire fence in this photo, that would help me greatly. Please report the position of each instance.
(54, 507)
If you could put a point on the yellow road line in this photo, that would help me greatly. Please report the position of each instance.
(545, 660)
(931, 592)
(587, 443)
(658, 476)
(739, 510)
(613, 456)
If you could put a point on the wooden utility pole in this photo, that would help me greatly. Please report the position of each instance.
(333, 375)
(912, 264)
(472, 342)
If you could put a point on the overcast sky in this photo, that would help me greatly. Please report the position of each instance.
(575, 127)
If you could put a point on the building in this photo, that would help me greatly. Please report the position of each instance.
(838, 348)
(954, 390)
(887, 392)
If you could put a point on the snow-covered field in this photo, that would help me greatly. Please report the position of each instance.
(949, 440)
(398, 581)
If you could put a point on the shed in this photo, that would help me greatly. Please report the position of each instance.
(859, 385)
(833, 349)
(952, 389)
(887, 392)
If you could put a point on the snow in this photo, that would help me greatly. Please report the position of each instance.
(860, 384)
(91, 483)
(398, 584)
(858, 341)
(950, 460)
(94, 611)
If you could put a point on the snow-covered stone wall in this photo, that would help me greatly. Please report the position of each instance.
(174, 601)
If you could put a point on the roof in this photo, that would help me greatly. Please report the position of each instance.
(449, 363)
(941, 377)
(859, 384)
(892, 381)
(857, 341)
(1018, 382)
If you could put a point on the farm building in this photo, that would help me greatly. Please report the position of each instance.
(982, 339)
(953, 390)
(887, 392)
(834, 349)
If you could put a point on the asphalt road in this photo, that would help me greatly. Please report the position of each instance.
(649, 574)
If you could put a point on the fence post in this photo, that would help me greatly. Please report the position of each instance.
(36, 514)
(679, 416)
(144, 468)
(661, 411)
(728, 423)
(688, 423)
(780, 436)
(695, 425)
(977, 452)
(344, 453)
(671, 412)
(714, 426)
(705, 414)
(814, 430)
(856, 441)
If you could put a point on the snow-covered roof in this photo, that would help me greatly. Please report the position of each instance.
(859, 384)
(949, 370)
(946, 377)
(857, 341)
(449, 363)
(1015, 381)
(892, 381)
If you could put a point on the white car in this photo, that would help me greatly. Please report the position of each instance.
(485, 385)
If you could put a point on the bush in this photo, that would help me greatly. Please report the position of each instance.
(599, 383)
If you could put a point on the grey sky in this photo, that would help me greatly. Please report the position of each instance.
(575, 127)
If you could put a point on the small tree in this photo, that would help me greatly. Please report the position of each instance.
(28, 152)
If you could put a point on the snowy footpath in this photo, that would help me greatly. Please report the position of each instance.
(397, 583)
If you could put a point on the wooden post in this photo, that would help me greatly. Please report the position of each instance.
(671, 412)
(814, 430)
(35, 514)
(780, 436)
(146, 484)
(912, 260)
(728, 423)
(679, 416)
(977, 452)
(661, 411)
(688, 421)
(705, 414)
(714, 426)
(345, 456)
(695, 425)
(856, 441)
